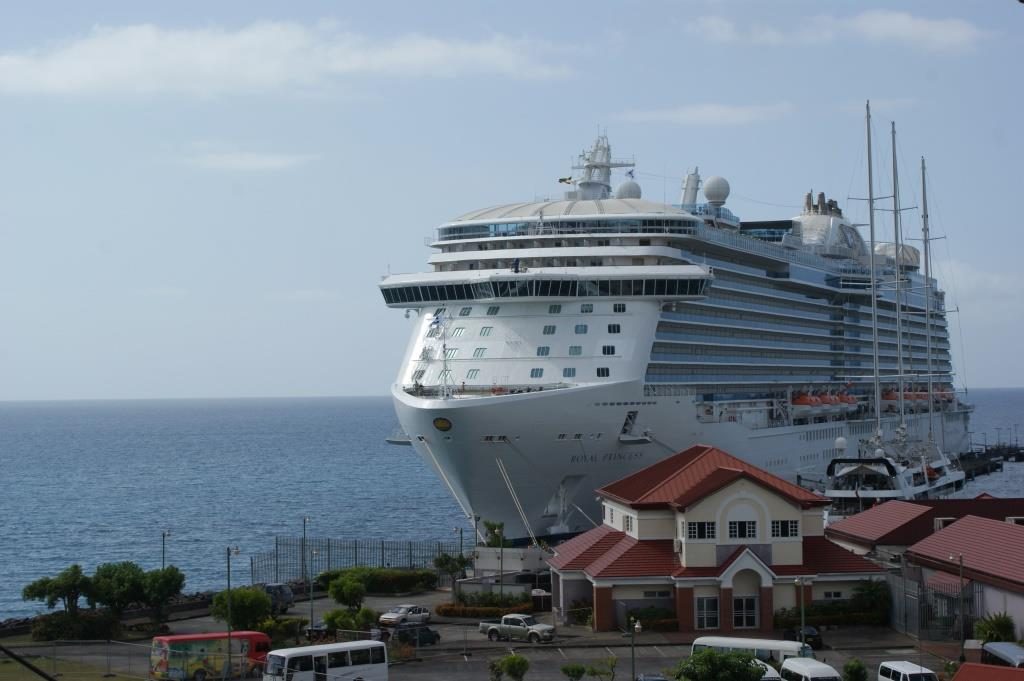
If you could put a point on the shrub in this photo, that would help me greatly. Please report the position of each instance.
(383, 580)
(91, 625)
(249, 607)
(712, 665)
(491, 600)
(515, 666)
(580, 612)
(998, 626)
(655, 619)
(854, 670)
(574, 672)
(283, 629)
(348, 591)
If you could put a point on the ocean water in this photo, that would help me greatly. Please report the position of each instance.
(98, 481)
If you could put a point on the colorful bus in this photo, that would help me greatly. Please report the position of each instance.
(198, 657)
(365, 660)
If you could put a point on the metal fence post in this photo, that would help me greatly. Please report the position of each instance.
(277, 570)
(108, 674)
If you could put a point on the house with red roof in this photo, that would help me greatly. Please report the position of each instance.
(975, 550)
(719, 542)
(885, 531)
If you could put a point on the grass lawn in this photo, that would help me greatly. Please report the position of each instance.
(66, 670)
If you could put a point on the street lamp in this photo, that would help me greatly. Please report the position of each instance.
(800, 582)
(459, 530)
(960, 598)
(501, 564)
(633, 631)
(312, 553)
(163, 548)
(231, 551)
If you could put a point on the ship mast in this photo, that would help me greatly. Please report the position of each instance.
(897, 238)
(874, 291)
(927, 293)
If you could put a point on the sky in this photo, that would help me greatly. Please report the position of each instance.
(199, 199)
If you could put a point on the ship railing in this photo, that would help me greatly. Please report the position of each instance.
(476, 391)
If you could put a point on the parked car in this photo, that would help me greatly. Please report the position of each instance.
(281, 597)
(412, 634)
(522, 627)
(812, 636)
(405, 613)
(901, 670)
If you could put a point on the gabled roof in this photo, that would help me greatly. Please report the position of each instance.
(604, 553)
(972, 671)
(901, 523)
(876, 523)
(687, 477)
(992, 550)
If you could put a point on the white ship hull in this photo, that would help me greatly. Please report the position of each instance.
(525, 433)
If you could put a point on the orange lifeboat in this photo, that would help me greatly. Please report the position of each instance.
(805, 404)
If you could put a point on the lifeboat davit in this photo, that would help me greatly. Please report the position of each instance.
(830, 404)
(890, 400)
(849, 402)
(805, 405)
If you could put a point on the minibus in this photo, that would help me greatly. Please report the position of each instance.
(761, 648)
(366, 660)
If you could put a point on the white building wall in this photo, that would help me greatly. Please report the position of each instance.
(996, 600)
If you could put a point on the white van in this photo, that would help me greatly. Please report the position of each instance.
(769, 673)
(365, 660)
(804, 669)
(904, 671)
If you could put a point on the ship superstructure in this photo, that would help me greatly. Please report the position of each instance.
(559, 345)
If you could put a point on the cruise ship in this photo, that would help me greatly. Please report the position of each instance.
(559, 345)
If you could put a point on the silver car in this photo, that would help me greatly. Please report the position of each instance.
(405, 613)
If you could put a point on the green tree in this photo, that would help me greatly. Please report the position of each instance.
(494, 670)
(494, 534)
(67, 587)
(348, 591)
(604, 668)
(515, 666)
(712, 665)
(249, 607)
(339, 620)
(159, 587)
(871, 596)
(998, 626)
(118, 585)
(453, 566)
(574, 671)
(854, 670)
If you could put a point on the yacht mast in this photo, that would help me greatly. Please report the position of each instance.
(874, 291)
(927, 293)
(897, 238)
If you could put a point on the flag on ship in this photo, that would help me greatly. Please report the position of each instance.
(565, 180)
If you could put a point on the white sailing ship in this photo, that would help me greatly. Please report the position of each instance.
(559, 345)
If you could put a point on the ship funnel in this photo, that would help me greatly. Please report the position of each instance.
(690, 186)
(808, 203)
(821, 203)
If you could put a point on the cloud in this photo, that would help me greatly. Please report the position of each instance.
(710, 114)
(880, 26)
(261, 57)
(250, 161)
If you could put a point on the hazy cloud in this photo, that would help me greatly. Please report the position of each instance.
(933, 35)
(709, 114)
(250, 161)
(148, 59)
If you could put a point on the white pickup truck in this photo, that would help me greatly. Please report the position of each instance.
(521, 627)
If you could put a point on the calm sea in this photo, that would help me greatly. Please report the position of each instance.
(96, 482)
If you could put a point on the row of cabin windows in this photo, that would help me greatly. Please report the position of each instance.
(492, 310)
(742, 529)
(525, 288)
(579, 329)
(536, 372)
(542, 351)
(549, 330)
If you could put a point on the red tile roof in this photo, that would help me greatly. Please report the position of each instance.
(946, 583)
(901, 523)
(992, 550)
(687, 477)
(822, 557)
(972, 671)
(584, 549)
(877, 522)
(605, 553)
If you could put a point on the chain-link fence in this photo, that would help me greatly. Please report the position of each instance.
(77, 660)
(293, 557)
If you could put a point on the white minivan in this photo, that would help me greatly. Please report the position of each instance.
(904, 671)
(804, 669)
(768, 671)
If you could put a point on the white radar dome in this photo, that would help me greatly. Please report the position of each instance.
(628, 190)
(716, 189)
(841, 442)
